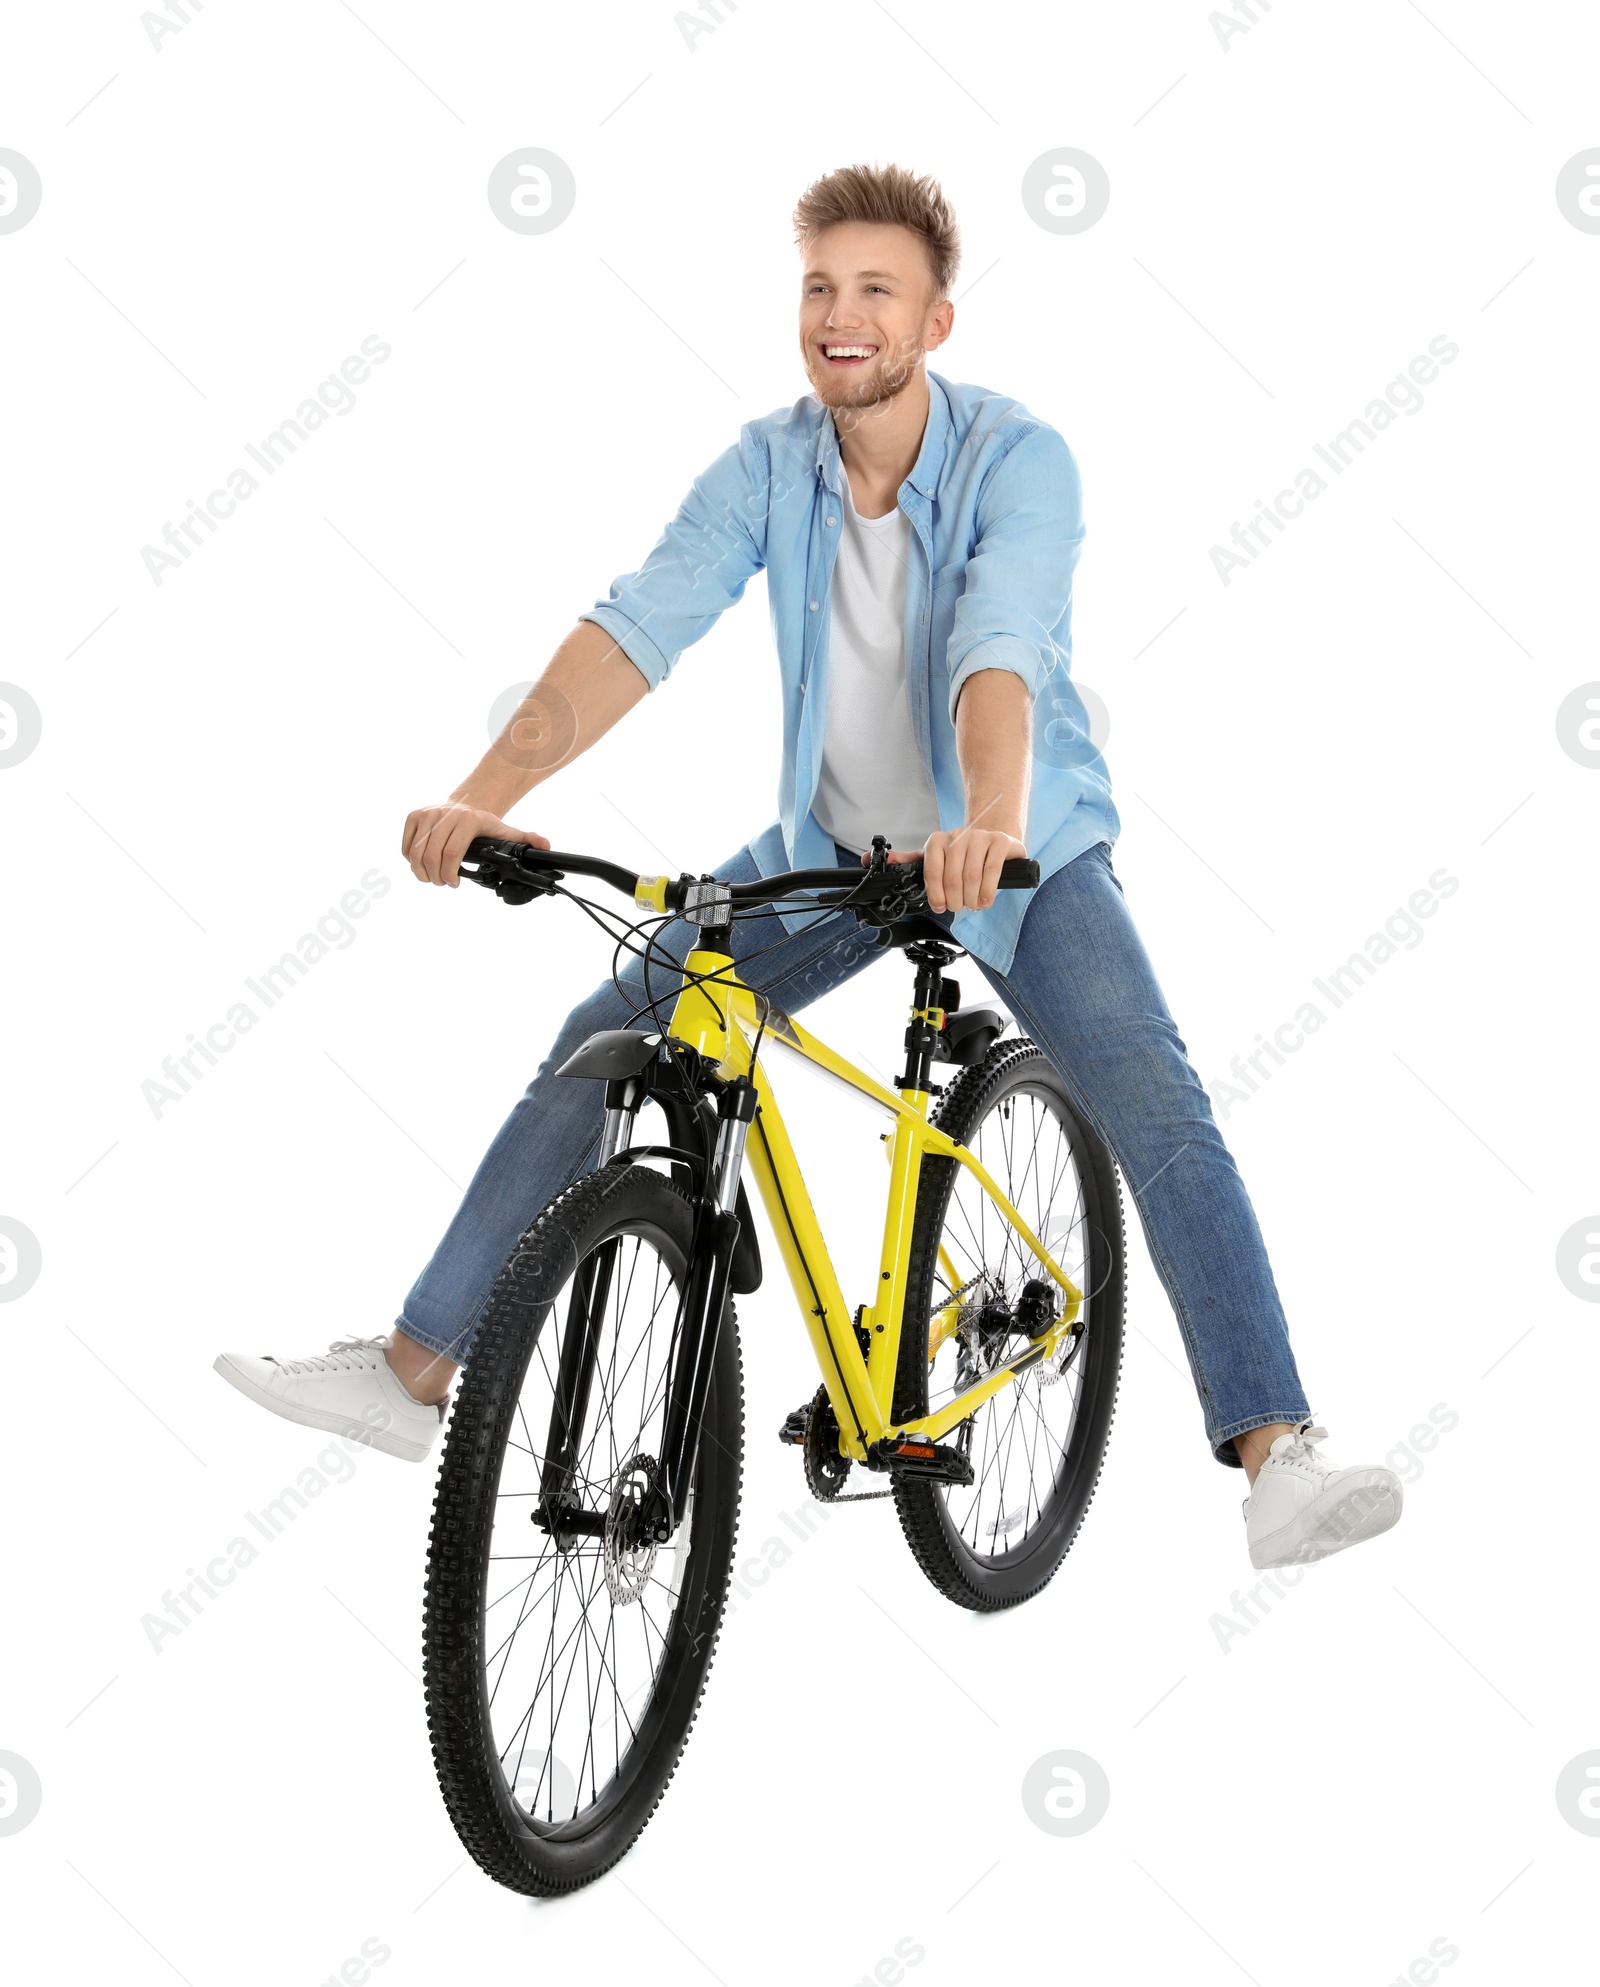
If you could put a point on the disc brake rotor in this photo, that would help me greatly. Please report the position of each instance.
(629, 1557)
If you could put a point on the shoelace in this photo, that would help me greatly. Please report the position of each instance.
(1302, 1449)
(343, 1356)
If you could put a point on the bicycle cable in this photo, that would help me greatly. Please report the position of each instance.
(652, 951)
(618, 929)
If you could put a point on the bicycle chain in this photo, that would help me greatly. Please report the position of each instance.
(821, 1456)
(821, 1405)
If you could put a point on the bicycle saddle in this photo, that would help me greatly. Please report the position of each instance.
(916, 930)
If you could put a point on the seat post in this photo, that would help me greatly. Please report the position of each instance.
(928, 1008)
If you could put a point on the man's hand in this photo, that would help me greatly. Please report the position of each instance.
(587, 686)
(436, 838)
(961, 867)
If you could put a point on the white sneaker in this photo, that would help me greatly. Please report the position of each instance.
(349, 1390)
(1301, 1508)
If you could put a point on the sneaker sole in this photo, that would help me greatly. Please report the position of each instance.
(1361, 1513)
(329, 1424)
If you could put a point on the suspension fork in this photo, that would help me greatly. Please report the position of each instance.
(705, 1298)
(580, 1347)
(624, 1095)
(580, 1344)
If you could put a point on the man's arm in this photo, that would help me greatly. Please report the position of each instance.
(622, 648)
(994, 742)
(1016, 594)
(588, 685)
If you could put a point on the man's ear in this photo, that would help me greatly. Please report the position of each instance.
(942, 318)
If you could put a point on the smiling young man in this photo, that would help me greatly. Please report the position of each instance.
(919, 539)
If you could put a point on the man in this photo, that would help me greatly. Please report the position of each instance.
(919, 540)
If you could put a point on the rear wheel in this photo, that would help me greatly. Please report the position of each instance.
(974, 1290)
(564, 1666)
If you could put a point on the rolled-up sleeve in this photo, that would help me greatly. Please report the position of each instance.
(1017, 587)
(698, 567)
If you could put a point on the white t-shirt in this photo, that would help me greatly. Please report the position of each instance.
(871, 781)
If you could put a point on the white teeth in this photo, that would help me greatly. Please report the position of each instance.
(849, 351)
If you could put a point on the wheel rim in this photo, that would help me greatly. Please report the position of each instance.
(576, 1632)
(1019, 1439)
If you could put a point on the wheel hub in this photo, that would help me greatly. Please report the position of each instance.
(985, 1325)
(628, 1549)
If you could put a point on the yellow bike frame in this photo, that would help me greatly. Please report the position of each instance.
(720, 1019)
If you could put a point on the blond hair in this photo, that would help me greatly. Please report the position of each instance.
(885, 194)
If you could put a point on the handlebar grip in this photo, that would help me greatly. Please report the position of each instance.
(482, 847)
(1019, 873)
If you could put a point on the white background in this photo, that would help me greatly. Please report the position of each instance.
(1370, 1768)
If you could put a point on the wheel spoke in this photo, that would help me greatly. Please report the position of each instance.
(1021, 1446)
(567, 1679)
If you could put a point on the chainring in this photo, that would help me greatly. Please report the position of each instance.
(826, 1469)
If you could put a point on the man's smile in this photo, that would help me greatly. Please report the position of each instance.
(844, 357)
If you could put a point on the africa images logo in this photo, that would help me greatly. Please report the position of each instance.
(1402, 395)
(1401, 933)
(334, 395)
(334, 932)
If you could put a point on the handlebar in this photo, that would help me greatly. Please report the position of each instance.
(518, 872)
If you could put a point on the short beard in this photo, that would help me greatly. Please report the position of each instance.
(891, 374)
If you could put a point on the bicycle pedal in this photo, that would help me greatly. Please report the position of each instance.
(794, 1427)
(911, 1456)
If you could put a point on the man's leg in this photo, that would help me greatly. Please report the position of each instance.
(553, 1132)
(1082, 986)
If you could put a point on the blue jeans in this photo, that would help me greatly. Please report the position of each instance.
(1082, 987)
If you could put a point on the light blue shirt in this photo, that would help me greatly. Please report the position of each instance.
(997, 523)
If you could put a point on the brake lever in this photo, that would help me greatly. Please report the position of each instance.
(500, 871)
(904, 898)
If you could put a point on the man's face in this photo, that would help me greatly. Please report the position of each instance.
(867, 312)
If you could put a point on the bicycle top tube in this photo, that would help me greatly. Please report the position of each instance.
(518, 872)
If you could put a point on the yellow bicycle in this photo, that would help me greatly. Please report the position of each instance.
(588, 1495)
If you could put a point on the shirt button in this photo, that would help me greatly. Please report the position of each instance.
(813, 607)
(833, 520)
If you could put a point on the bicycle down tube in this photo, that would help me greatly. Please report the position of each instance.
(719, 1025)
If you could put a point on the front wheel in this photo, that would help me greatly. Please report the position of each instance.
(565, 1660)
(974, 1291)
